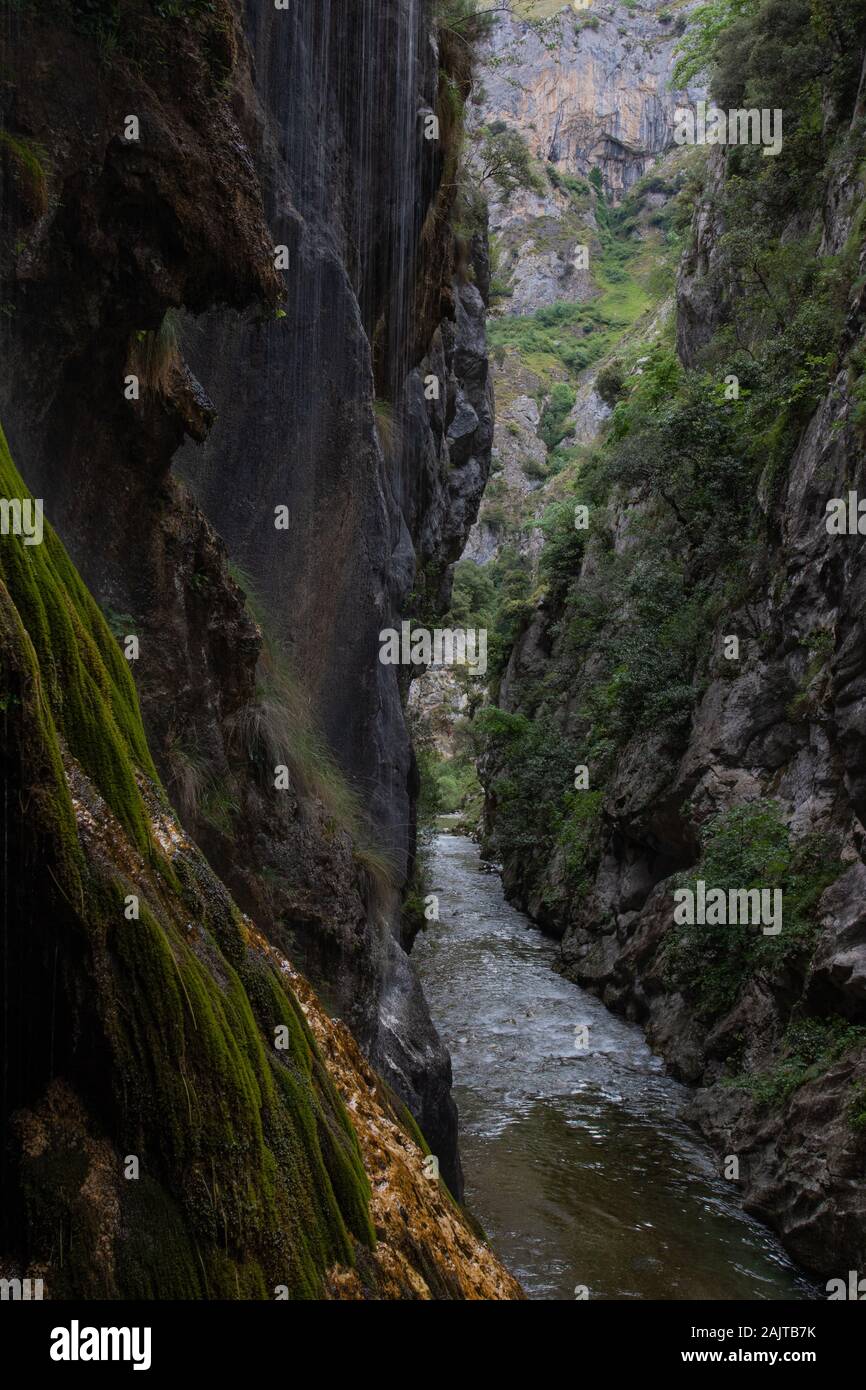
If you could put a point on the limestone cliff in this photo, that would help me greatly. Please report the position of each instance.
(587, 90)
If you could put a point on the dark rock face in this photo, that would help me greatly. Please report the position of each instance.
(371, 506)
(837, 975)
(313, 142)
(380, 498)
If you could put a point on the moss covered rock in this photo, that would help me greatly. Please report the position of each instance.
(142, 1024)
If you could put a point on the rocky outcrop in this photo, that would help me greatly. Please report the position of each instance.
(258, 131)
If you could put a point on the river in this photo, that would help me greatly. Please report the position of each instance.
(578, 1162)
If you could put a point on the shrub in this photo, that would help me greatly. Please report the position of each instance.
(554, 424)
(746, 847)
(609, 383)
(809, 1048)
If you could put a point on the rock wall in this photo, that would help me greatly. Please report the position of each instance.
(175, 1101)
(591, 92)
(299, 128)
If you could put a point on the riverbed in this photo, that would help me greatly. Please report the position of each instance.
(578, 1162)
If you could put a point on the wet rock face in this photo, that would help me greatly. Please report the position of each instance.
(314, 142)
(381, 477)
(374, 496)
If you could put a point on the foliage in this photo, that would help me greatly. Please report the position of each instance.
(563, 335)
(496, 597)
(563, 545)
(503, 158)
(609, 382)
(810, 1046)
(748, 847)
(538, 810)
(554, 418)
(697, 52)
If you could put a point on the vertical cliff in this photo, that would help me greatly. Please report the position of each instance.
(381, 484)
(258, 647)
(174, 1117)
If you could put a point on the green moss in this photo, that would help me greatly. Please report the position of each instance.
(160, 1261)
(85, 679)
(27, 161)
(251, 1174)
(254, 1138)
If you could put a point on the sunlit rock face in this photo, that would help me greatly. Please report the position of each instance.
(588, 89)
(592, 92)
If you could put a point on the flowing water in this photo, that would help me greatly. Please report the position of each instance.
(578, 1162)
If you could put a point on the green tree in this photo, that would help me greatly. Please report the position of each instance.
(504, 159)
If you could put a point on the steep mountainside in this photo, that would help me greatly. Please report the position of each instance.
(157, 161)
(683, 703)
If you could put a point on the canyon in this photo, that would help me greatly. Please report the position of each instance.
(441, 342)
(613, 642)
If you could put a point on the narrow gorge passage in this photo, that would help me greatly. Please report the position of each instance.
(578, 1163)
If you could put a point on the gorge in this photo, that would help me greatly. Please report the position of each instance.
(441, 342)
